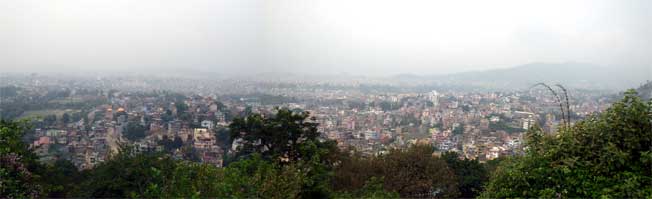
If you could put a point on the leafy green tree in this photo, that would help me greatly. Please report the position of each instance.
(373, 188)
(154, 175)
(415, 172)
(353, 172)
(255, 178)
(317, 165)
(19, 169)
(135, 131)
(412, 173)
(220, 105)
(62, 178)
(458, 130)
(186, 116)
(223, 137)
(50, 120)
(389, 106)
(503, 126)
(167, 117)
(195, 180)
(471, 174)
(277, 138)
(128, 174)
(492, 165)
(181, 107)
(250, 177)
(289, 138)
(65, 118)
(76, 116)
(248, 111)
(170, 145)
(604, 156)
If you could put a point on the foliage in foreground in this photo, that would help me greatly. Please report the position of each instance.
(156, 176)
(471, 174)
(18, 165)
(608, 155)
(412, 172)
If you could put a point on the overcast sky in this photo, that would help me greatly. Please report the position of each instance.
(373, 37)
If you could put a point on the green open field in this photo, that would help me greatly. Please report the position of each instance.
(46, 112)
(67, 100)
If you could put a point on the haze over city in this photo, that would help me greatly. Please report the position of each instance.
(376, 38)
(325, 99)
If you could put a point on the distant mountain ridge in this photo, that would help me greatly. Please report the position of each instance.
(645, 90)
(574, 75)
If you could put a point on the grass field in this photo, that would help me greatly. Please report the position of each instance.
(67, 100)
(46, 112)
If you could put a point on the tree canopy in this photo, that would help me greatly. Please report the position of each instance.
(280, 137)
(471, 174)
(607, 155)
(413, 172)
(18, 164)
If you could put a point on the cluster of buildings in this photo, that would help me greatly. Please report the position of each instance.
(145, 123)
(187, 123)
(478, 126)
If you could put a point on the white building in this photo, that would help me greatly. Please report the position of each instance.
(207, 124)
(434, 98)
(528, 122)
(371, 135)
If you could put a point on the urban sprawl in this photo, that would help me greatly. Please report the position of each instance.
(86, 120)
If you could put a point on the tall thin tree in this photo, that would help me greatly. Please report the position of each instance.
(568, 119)
(554, 93)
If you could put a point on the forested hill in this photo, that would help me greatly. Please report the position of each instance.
(572, 74)
(645, 91)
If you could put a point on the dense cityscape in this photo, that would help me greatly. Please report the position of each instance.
(86, 121)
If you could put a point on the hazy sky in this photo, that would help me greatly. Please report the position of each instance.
(327, 36)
